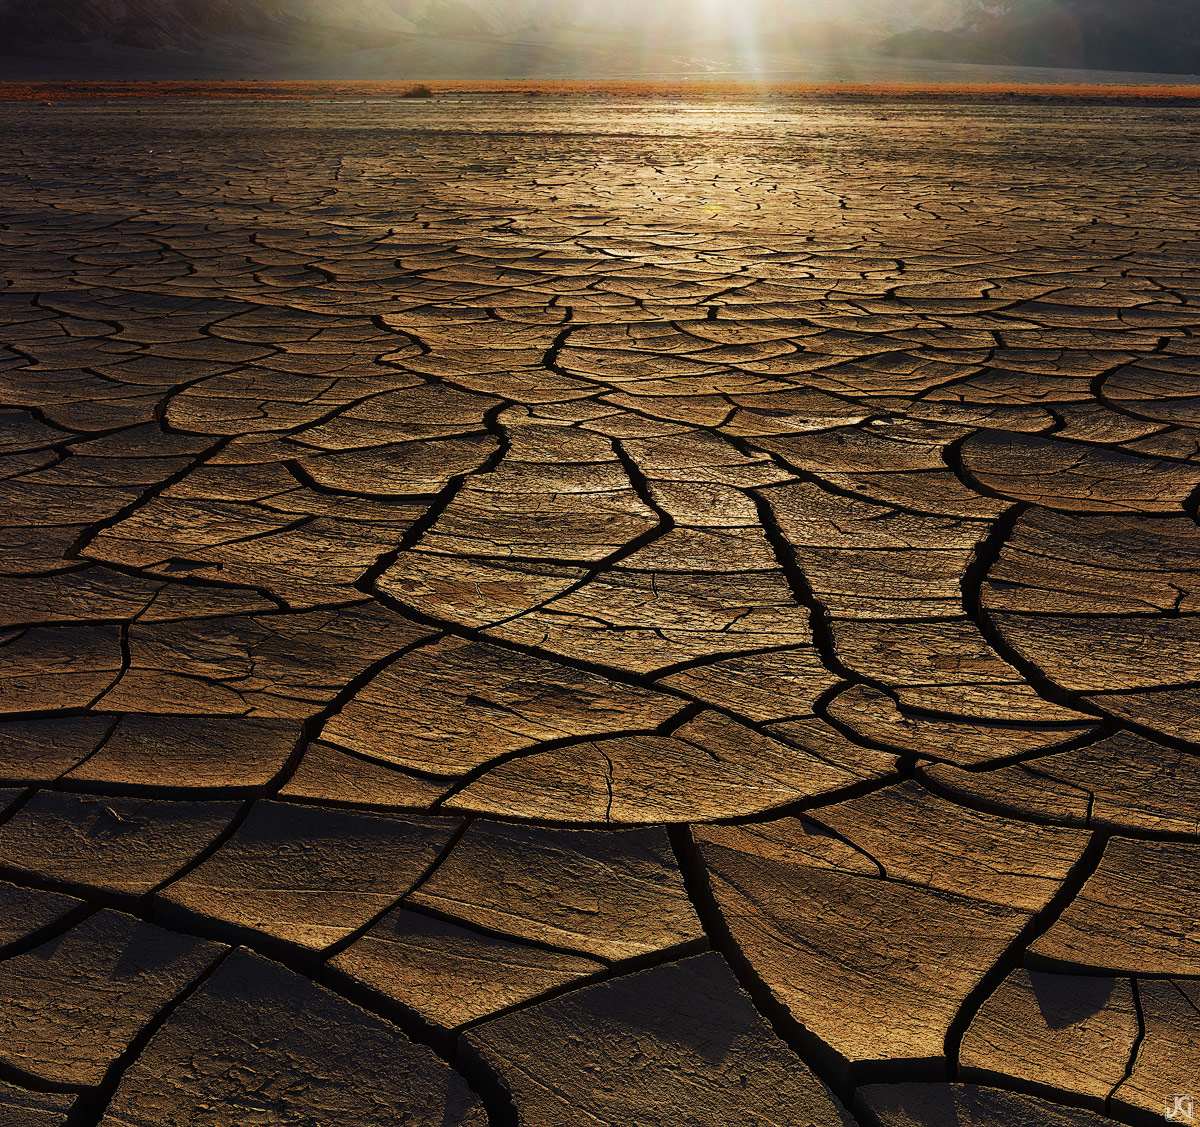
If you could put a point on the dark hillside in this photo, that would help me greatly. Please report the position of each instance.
(1143, 35)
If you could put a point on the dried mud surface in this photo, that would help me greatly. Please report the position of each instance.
(599, 614)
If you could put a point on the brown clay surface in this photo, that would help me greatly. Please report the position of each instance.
(622, 608)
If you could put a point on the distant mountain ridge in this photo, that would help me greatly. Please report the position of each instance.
(565, 38)
(173, 22)
(135, 21)
(319, 32)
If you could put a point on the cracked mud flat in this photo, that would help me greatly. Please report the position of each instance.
(599, 614)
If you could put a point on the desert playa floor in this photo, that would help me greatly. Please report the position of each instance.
(577, 611)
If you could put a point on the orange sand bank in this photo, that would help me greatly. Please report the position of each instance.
(1066, 93)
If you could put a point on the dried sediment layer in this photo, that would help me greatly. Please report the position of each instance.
(623, 615)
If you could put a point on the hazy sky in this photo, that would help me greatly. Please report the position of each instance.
(688, 17)
(731, 11)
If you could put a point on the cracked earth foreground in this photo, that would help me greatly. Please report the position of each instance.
(576, 613)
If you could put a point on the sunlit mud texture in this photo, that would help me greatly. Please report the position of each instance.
(574, 613)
